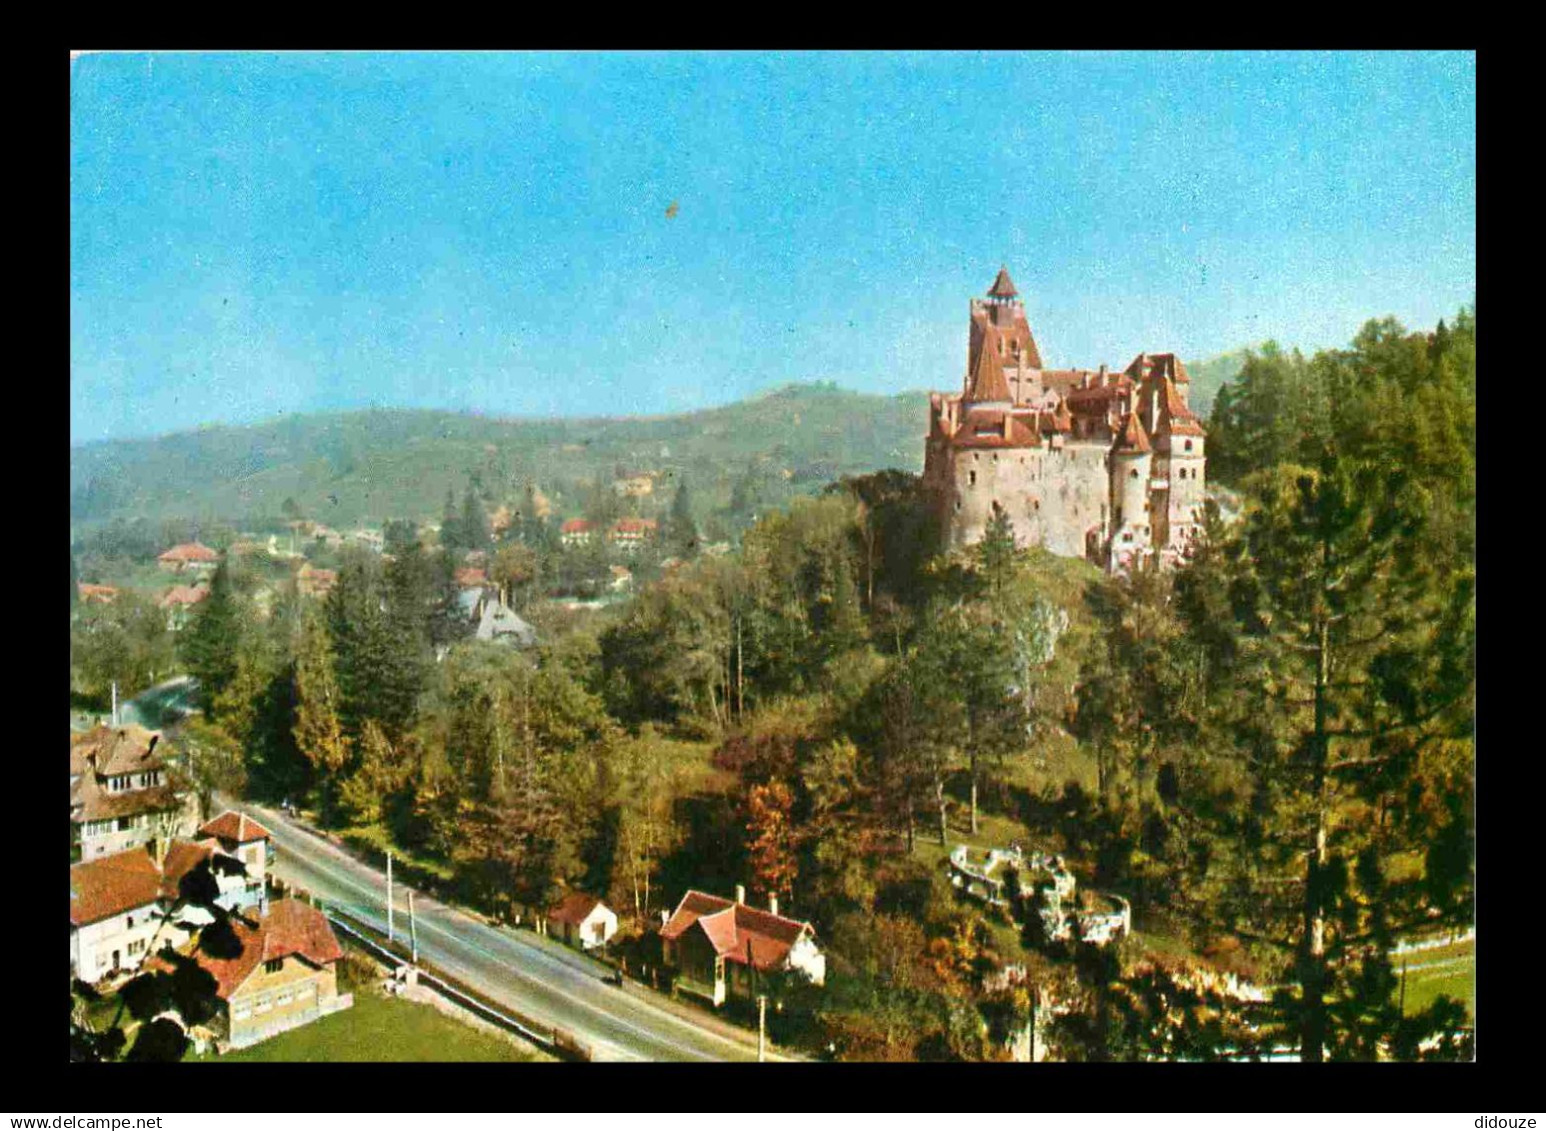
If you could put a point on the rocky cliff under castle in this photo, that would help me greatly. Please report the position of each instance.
(1098, 464)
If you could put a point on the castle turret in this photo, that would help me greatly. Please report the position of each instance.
(1131, 463)
(1179, 468)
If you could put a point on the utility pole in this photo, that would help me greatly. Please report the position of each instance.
(413, 928)
(390, 937)
(762, 1027)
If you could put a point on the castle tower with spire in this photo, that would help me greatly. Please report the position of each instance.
(1088, 463)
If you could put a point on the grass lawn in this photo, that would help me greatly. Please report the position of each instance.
(380, 1028)
(1448, 970)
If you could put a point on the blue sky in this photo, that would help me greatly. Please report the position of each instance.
(260, 233)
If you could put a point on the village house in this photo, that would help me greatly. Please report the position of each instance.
(580, 920)
(283, 976)
(312, 582)
(121, 792)
(628, 534)
(97, 594)
(127, 905)
(622, 579)
(720, 948)
(178, 603)
(242, 838)
(576, 532)
(189, 556)
(470, 577)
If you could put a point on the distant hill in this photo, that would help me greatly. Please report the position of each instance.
(1208, 377)
(368, 466)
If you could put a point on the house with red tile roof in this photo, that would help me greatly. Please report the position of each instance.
(628, 534)
(100, 594)
(178, 601)
(576, 532)
(122, 792)
(130, 904)
(580, 920)
(189, 556)
(312, 582)
(719, 948)
(280, 973)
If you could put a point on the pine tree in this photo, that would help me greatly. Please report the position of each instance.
(453, 537)
(212, 643)
(475, 533)
(319, 731)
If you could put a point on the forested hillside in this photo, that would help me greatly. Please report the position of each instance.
(371, 466)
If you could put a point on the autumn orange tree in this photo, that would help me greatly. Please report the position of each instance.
(770, 835)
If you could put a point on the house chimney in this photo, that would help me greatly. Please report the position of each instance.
(740, 893)
(773, 904)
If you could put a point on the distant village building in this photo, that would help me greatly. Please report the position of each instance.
(468, 577)
(719, 948)
(576, 532)
(580, 920)
(187, 556)
(121, 792)
(629, 534)
(1087, 463)
(96, 594)
(494, 620)
(313, 582)
(622, 579)
(178, 603)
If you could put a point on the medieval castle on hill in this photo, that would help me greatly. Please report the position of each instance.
(1088, 463)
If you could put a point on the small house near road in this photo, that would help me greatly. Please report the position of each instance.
(581, 920)
(283, 975)
(720, 948)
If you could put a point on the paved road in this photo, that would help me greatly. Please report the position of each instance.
(540, 978)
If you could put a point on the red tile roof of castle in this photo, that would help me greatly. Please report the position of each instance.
(290, 927)
(1002, 286)
(634, 526)
(190, 552)
(235, 827)
(1133, 440)
(984, 428)
(1175, 418)
(988, 382)
(737, 933)
(576, 526)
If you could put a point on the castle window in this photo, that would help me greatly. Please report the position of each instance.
(971, 478)
(1133, 474)
(1188, 445)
